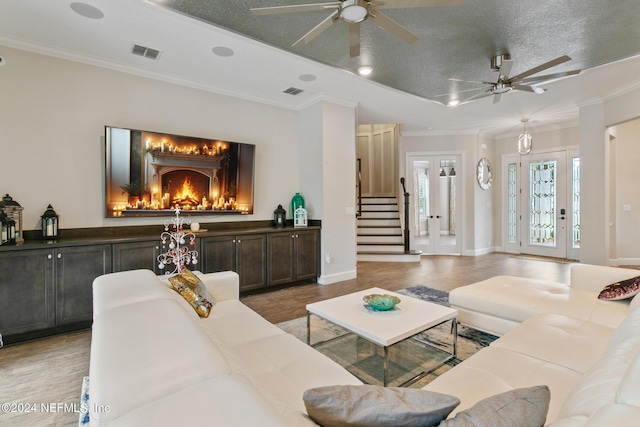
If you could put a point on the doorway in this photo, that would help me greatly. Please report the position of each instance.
(542, 209)
(436, 203)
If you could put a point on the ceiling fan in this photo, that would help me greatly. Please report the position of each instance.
(523, 82)
(353, 12)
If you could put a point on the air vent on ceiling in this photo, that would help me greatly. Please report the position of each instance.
(145, 51)
(293, 91)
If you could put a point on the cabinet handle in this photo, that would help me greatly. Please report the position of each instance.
(239, 240)
(49, 256)
(59, 256)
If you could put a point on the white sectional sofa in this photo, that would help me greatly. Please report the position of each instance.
(155, 362)
(585, 350)
(498, 304)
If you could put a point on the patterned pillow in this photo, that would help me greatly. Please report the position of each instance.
(521, 407)
(621, 290)
(375, 406)
(193, 291)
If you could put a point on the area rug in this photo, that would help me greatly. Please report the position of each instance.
(470, 341)
(84, 404)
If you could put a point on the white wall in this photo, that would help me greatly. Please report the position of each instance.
(327, 172)
(625, 215)
(52, 118)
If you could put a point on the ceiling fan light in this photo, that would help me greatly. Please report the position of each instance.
(537, 90)
(453, 103)
(354, 11)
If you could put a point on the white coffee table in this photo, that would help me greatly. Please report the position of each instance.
(384, 328)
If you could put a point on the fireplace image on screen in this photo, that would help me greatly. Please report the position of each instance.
(148, 173)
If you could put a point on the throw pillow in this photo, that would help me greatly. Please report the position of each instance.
(375, 406)
(193, 291)
(621, 290)
(522, 407)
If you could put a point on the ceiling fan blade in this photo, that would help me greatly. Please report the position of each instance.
(539, 79)
(472, 81)
(474, 97)
(539, 68)
(459, 92)
(497, 97)
(526, 88)
(505, 68)
(315, 32)
(354, 40)
(391, 26)
(404, 4)
(273, 10)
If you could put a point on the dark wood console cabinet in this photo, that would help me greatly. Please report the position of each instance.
(293, 256)
(46, 287)
(245, 254)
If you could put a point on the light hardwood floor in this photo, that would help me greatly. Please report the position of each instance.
(51, 370)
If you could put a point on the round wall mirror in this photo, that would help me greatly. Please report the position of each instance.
(483, 173)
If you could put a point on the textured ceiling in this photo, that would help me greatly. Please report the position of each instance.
(454, 41)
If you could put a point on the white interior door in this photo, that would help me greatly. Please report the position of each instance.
(545, 207)
(436, 201)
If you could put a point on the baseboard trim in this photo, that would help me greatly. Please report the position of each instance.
(327, 279)
(477, 252)
(624, 261)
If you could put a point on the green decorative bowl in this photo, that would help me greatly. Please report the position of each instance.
(380, 302)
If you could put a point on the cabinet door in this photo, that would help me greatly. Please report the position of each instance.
(76, 268)
(218, 254)
(26, 291)
(281, 258)
(136, 255)
(306, 255)
(252, 261)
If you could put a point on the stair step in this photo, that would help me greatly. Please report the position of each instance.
(380, 247)
(379, 239)
(385, 256)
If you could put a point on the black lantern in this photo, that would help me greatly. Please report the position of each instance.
(14, 212)
(49, 224)
(8, 232)
(279, 217)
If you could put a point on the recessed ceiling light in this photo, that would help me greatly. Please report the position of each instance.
(86, 10)
(2, 61)
(223, 51)
(307, 77)
(365, 70)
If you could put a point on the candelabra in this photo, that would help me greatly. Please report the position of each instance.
(178, 254)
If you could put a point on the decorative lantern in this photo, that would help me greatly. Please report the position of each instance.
(8, 232)
(13, 211)
(300, 217)
(279, 217)
(297, 202)
(49, 224)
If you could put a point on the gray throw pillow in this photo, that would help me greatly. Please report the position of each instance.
(522, 407)
(368, 405)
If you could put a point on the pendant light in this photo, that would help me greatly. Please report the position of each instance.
(525, 139)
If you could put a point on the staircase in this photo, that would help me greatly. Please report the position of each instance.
(379, 235)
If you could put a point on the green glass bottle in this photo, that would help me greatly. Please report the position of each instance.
(296, 202)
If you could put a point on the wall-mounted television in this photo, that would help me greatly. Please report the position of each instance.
(152, 174)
